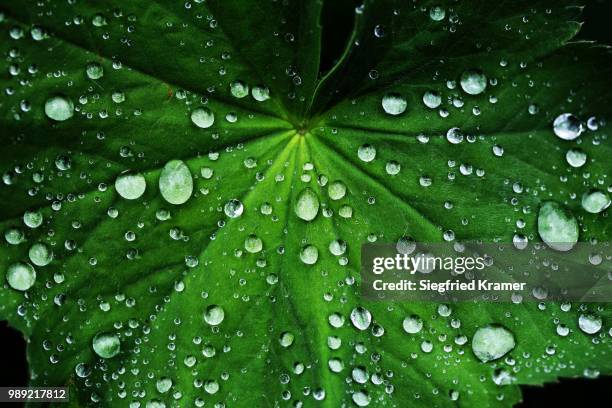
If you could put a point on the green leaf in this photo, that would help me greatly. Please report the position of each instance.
(232, 302)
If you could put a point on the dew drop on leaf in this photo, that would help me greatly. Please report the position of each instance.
(366, 153)
(130, 186)
(336, 190)
(361, 318)
(589, 323)
(437, 13)
(40, 254)
(239, 89)
(473, 81)
(309, 254)
(394, 104)
(260, 93)
(412, 324)
(33, 219)
(253, 244)
(233, 208)
(21, 276)
(94, 70)
(432, 99)
(567, 126)
(576, 157)
(202, 117)
(557, 226)
(307, 205)
(595, 201)
(59, 108)
(176, 182)
(492, 342)
(214, 315)
(106, 345)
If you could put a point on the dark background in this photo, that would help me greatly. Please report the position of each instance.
(597, 17)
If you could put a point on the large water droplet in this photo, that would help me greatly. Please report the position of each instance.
(21, 276)
(432, 99)
(260, 93)
(40, 254)
(412, 324)
(576, 157)
(595, 201)
(473, 81)
(361, 318)
(233, 208)
(214, 315)
(309, 254)
(253, 244)
(336, 190)
(94, 70)
(203, 117)
(163, 385)
(176, 182)
(589, 323)
(567, 126)
(437, 13)
(239, 89)
(130, 185)
(394, 104)
(557, 226)
(366, 153)
(106, 345)
(307, 205)
(492, 342)
(59, 108)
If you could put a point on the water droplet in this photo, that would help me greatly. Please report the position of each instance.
(557, 226)
(260, 93)
(432, 99)
(492, 342)
(366, 153)
(21, 276)
(163, 385)
(239, 89)
(307, 205)
(393, 168)
(412, 324)
(14, 236)
(576, 157)
(94, 70)
(473, 81)
(309, 254)
(233, 208)
(336, 190)
(214, 315)
(567, 126)
(394, 104)
(203, 117)
(253, 244)
(595, 201)
(130, 185)
(59, 108)
(379, 31)
(33, 219)
(361, 399)
(361, 318)
(106, 345)
(176, 182)
(286, 339)
(40, 254)
(454, 135)
(589, 323)
(437, 13)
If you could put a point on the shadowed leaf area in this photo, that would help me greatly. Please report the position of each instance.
(187, 185)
